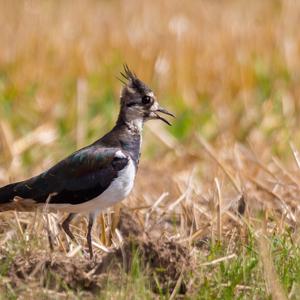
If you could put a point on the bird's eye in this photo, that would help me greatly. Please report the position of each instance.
(146, 99)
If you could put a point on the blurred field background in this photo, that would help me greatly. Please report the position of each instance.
(229, 70)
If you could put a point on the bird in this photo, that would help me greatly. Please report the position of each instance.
(99, 175)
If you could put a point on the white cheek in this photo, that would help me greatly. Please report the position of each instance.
(155, 106)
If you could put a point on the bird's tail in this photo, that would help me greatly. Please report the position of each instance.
(10, 199)
(7, 195)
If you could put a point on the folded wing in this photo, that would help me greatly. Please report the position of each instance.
(79, 178)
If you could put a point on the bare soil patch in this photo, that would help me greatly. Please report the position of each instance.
(163, 260)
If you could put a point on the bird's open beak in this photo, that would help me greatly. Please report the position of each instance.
(164, 111)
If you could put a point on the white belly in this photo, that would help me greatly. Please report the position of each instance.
(118, 190)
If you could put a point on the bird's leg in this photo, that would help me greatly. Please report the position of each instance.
(65, 225)
(49, 233)
(89, 232)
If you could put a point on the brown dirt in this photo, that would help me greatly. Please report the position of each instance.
(128, 226)
(51, 270)
(162, 259)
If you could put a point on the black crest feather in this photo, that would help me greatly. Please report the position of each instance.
(128, 74)
(133, 81)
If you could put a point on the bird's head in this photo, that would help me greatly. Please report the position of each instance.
(138, 101)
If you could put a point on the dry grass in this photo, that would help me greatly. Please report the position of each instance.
(227, 168)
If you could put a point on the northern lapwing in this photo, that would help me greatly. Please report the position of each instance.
(99, 175)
